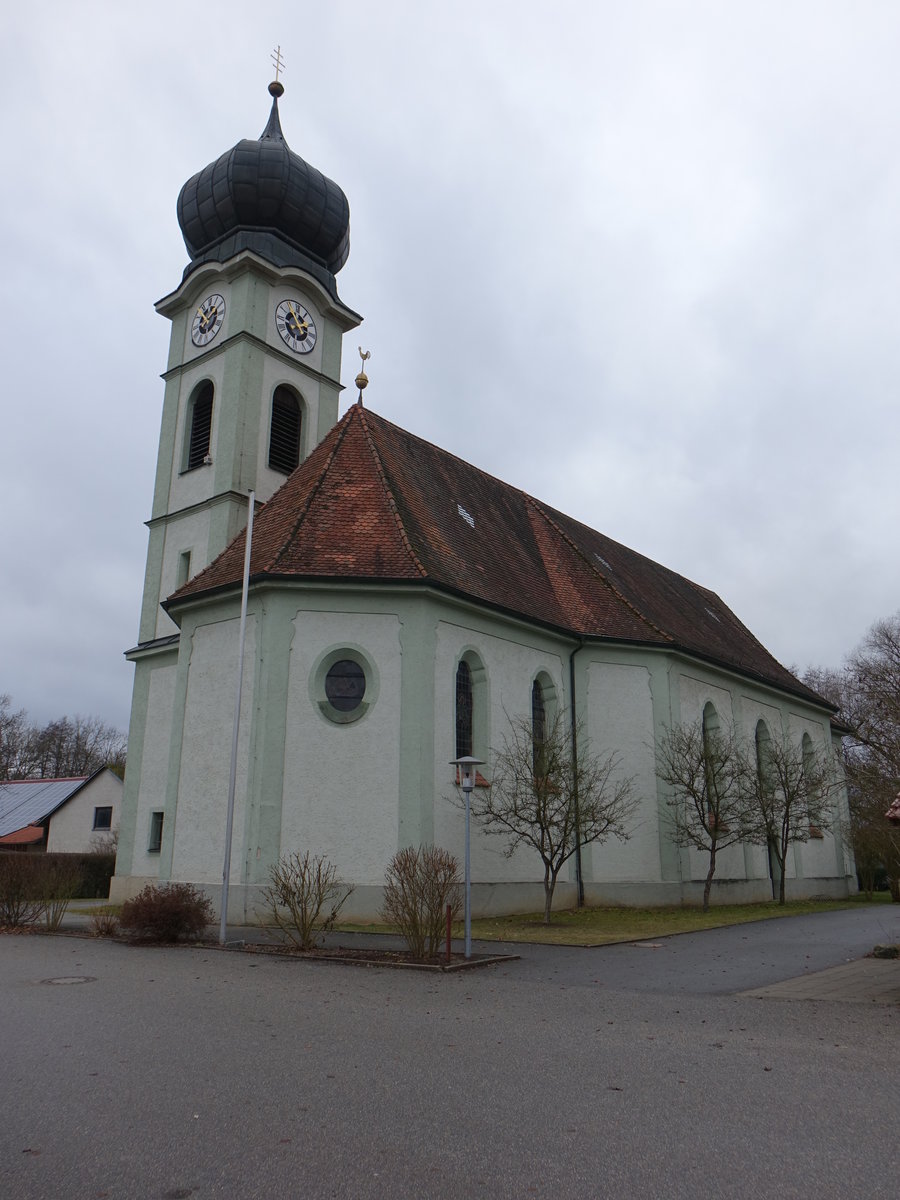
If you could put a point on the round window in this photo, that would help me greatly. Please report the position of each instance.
(345, 685)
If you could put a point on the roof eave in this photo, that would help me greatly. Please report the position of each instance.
(176, 607)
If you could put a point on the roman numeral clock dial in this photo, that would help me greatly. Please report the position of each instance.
(207, 320)
(296, 326)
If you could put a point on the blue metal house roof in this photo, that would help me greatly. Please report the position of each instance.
(30, 801)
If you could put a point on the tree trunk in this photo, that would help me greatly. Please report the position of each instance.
(709, 877)
(549, 885)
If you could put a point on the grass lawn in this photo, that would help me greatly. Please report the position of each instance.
(602, 926)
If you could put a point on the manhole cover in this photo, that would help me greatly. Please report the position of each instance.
(72, 979)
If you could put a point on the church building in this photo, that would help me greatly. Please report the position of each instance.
(403, 605)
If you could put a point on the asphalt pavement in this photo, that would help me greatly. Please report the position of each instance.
(676, 1068)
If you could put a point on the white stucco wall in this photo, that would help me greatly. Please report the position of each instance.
(341, 781)
(72, 826)
(511, 664)
(154, 766)
(619, 720)
(206, 758)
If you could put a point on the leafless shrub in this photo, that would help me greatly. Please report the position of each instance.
(58, 882)
(173, 912)
(302, 887)
(419, 884)
(21, 899)
(104, 922)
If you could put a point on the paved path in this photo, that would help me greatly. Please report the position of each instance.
(623, 1071)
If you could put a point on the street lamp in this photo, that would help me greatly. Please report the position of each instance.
(467, 772)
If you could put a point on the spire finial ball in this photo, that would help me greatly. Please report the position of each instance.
(276, 89)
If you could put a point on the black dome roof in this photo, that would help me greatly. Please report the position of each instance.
(260, 195)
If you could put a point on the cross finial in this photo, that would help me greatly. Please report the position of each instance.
(362, 378)
(278, 61)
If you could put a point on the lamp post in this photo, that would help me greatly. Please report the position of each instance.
(466, 768)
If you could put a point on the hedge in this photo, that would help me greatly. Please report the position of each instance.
(96, 870)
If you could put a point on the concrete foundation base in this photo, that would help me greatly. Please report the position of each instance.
(246, 904)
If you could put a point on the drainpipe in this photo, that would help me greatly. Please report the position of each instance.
(573, 728)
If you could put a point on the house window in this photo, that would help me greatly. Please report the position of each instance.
(103, 818)
(464, 711)
(156, 827)
(201, 406)
(284, 431)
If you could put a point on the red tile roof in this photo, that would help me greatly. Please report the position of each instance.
(374, 503)
(23, 837)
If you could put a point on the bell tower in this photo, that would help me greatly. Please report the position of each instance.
(251, 387)
(253, 377)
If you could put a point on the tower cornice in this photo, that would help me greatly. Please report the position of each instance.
(203, 276)
(244, 335)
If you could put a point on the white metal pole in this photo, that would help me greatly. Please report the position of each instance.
(467, 788)
(229, 819)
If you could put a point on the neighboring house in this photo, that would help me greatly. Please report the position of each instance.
(403, 605)
(71, 816)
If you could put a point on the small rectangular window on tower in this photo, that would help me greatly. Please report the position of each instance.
(183, 573)
(156, 827)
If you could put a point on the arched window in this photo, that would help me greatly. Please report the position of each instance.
(763, 753)
(538, 726)
(465, 712)
(808, 754)
(767, 793)
(710, 764)
(808, 758)
(284, 431)
(471, 708)
(200, 417)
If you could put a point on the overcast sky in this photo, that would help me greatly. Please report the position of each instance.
(640, 259)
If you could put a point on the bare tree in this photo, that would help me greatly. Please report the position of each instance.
(875, 842)
(539, 797)
(709, 803)
(792, 789)
(866, 691)
(15, 732)
(66, 747)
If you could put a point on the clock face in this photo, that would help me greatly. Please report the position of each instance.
(207, 320)
(296, 326)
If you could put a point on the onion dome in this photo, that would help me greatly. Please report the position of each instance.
(261, 196)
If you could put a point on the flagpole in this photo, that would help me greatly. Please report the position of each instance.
(229, 819)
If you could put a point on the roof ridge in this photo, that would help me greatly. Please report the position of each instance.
(342, 426)
(392, 503)
(592, 567)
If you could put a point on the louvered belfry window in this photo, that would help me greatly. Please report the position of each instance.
(201, 425)
(463, 710)
(284, 436)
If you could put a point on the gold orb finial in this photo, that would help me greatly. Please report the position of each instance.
(362, 379)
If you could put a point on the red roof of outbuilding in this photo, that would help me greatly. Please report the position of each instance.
(375, 503)
(23, 837)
